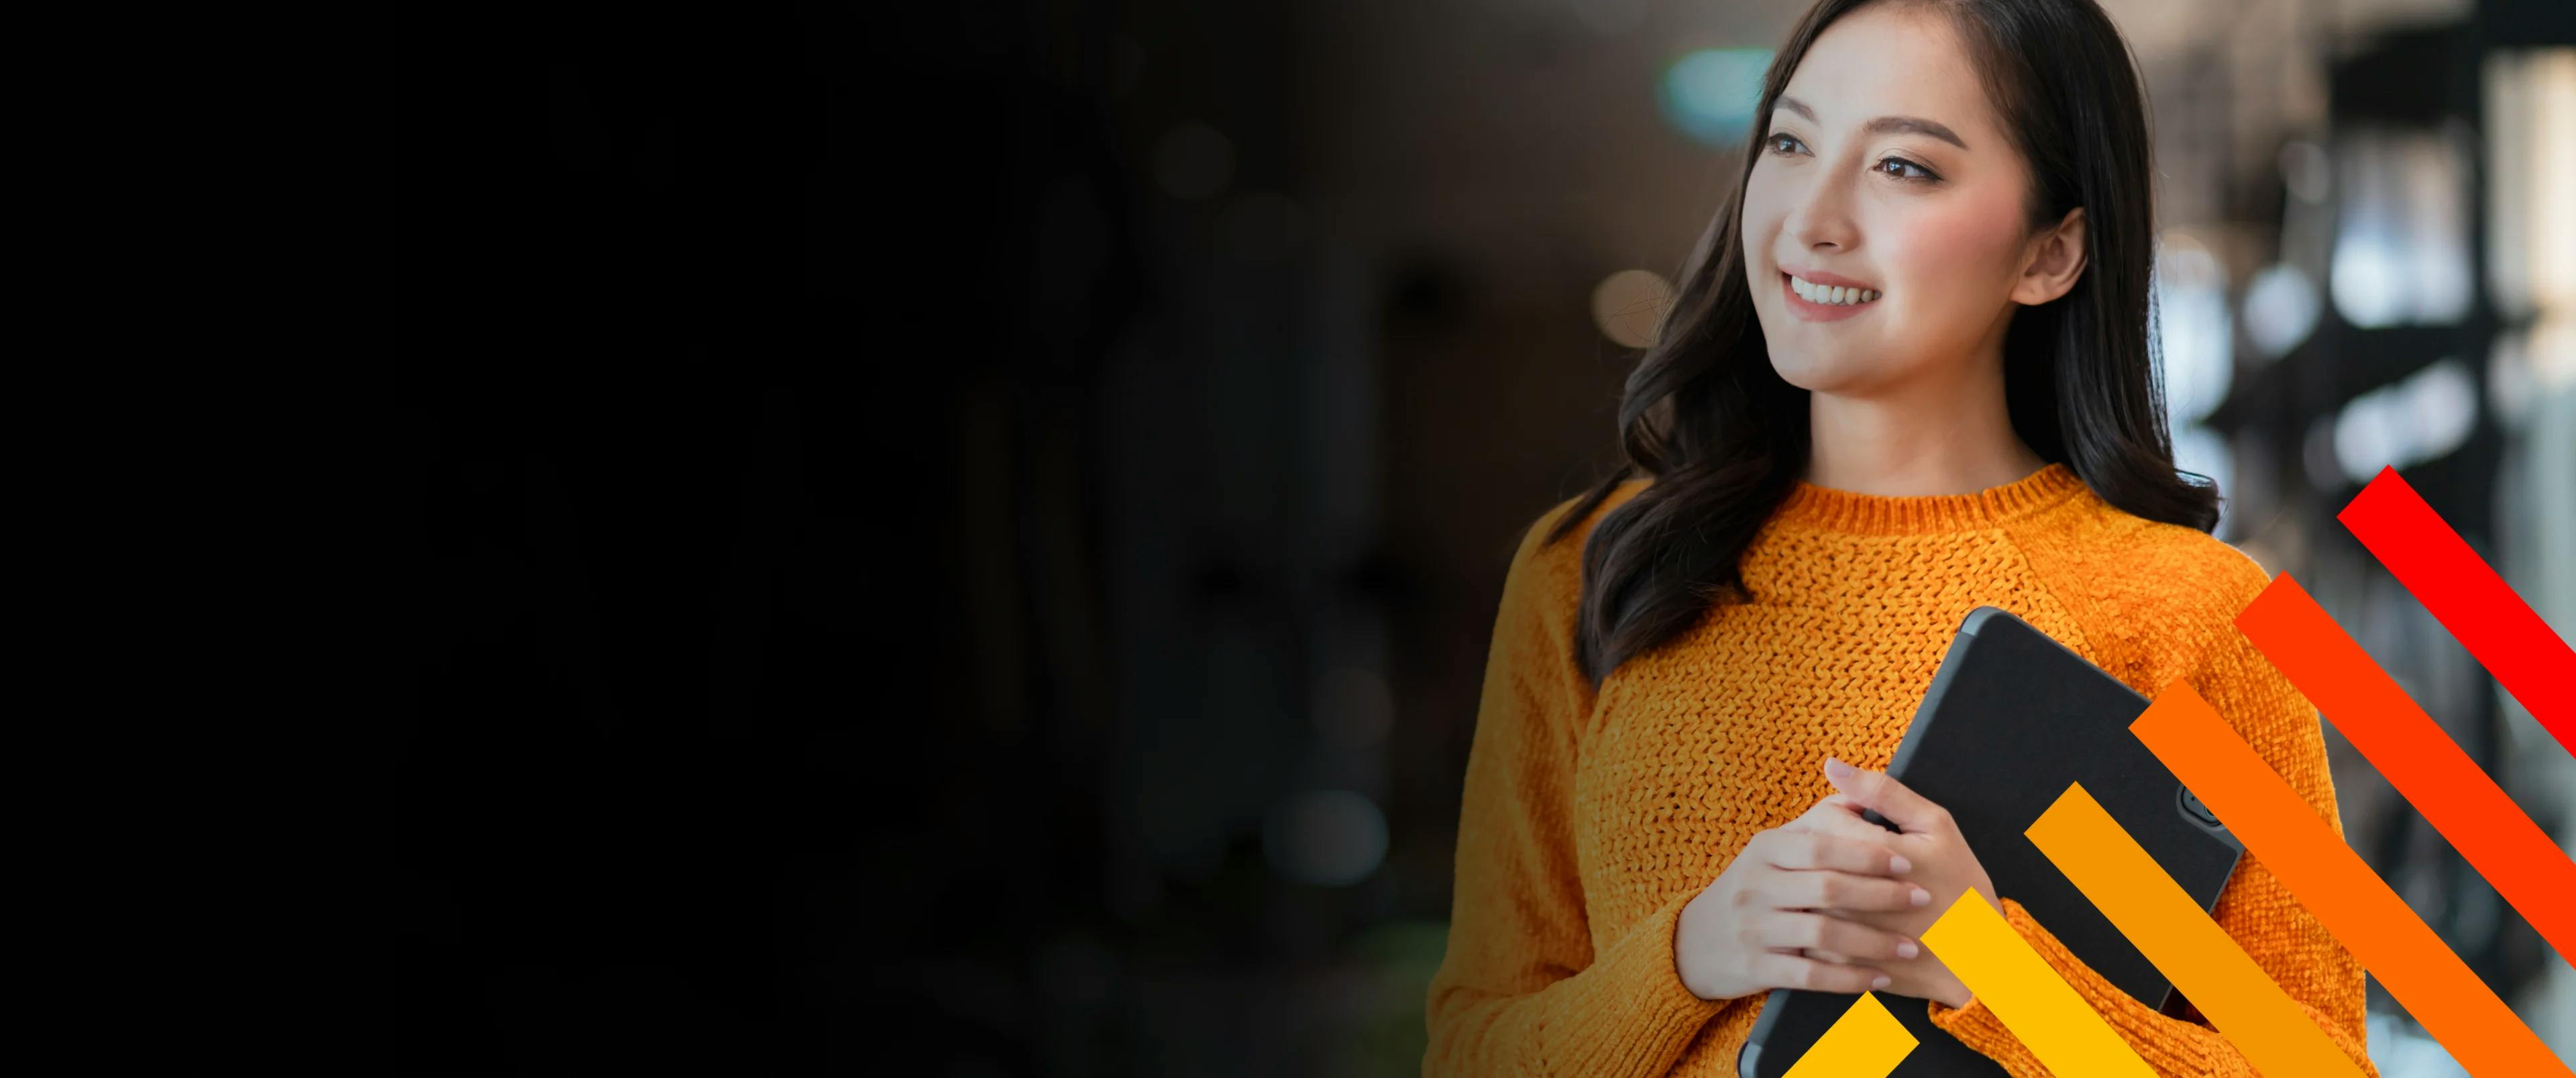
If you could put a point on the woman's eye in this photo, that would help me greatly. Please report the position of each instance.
(1903, 164)
(1776, 141)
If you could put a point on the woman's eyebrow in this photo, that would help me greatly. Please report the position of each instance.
(1884, 125)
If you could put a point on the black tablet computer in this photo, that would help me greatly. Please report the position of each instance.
(2011, 719)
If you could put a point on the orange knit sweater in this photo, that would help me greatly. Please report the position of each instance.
(1591, 818)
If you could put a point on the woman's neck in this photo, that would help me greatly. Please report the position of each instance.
(1923, 440)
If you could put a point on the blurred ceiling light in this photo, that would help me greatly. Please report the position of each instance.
(1711, 94)
(2193, 326)
(1193, 161)
(2280, 309)
(2405, 424)
(2527, 365)
(2397, 1048)
(2551, 356)
(2401, 247)
(2306, 170)
(1329, 838)
(2530, 100)
(1628, 305)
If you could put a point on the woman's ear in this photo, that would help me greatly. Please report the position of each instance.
(2055, 260)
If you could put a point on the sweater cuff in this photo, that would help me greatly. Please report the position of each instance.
(1630, 1012)
(2148, 1033)
(1979, 1029)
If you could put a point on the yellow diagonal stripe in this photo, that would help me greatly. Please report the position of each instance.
(1866, 1042)
(2032, 1001)
(2174, 933)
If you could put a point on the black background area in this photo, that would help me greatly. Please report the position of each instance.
(688, 297)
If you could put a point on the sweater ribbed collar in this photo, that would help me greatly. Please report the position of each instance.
(1812, 506)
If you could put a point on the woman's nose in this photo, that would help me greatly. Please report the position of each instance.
(1821, 218)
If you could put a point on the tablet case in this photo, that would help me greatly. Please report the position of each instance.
(2013, 717)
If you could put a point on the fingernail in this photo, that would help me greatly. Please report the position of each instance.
(1922, 897)
(1907, 950)
(1898, 863)
(1836, 768)
(1881, 982)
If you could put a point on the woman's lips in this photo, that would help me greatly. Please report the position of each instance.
(1811, 311)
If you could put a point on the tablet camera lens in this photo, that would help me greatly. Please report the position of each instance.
(2192, 807)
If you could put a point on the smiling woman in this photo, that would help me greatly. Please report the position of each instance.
(1907, 372)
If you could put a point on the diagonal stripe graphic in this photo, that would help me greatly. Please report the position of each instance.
(1866, 1042)
(2171, 929)
(2033, 1002)
(2303, 851)
(2423, 763)
(2469, 599)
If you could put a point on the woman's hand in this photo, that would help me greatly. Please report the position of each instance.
(1942, 864)
(1745, 932)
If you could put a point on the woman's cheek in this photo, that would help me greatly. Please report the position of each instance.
(1929, 291)
(1947, 258)
(1759, 222)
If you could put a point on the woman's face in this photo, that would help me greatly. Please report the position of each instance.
(1884, 169)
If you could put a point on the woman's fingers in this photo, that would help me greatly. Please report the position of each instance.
(1828, 803)
(1822, 889)
(1837, 813)
(1908, 810)
(1841, 852)
(1832, 939)
(1796, 971)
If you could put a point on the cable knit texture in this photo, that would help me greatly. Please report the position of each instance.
(1591, 818)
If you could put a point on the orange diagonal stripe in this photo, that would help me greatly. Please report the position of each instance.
(2422, 762)
(2303, 851)
(2171, 929)
(1866, 1042)
(2026, 994)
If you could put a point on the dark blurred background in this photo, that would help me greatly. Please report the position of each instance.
(965, 535)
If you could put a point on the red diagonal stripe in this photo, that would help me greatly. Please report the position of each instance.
(2434, 563)
(2421, 761)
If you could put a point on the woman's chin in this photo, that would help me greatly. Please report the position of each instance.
(1813, 373)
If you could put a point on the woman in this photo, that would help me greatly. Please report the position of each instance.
(1906, 374)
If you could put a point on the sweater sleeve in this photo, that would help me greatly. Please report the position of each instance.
(2280, 935)
(1521, 990)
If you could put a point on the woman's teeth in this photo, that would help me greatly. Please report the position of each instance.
(1830, 294)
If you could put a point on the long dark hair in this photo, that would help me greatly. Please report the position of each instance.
(1724, 438)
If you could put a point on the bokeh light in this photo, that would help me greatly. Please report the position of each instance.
(2281, 308)
(2401, 247)
(2415, 420)
(2193, 326)
(1629, 305)
(1710, 94)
